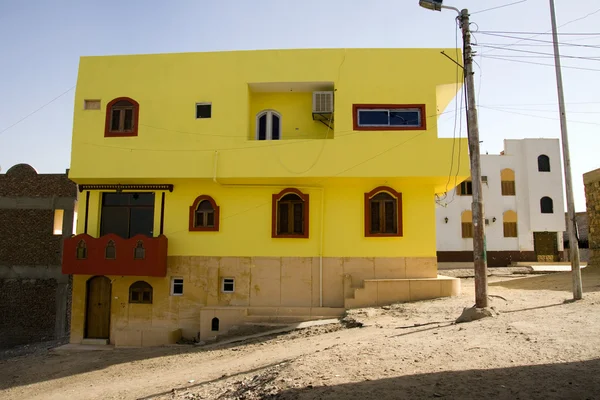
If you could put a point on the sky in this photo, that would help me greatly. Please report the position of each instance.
(41, 42)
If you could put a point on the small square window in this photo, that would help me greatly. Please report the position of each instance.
(91, 104)
(228, 285)
(203, 110)
(176, 286)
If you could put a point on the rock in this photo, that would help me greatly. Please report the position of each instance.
(473, 314)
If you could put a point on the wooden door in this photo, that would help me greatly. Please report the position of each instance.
(546, 246)
(98, 308)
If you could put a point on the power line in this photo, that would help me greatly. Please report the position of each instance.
(548, 31)
(541, 53)
(538, 116)
(495, 8)
(536, 63)
(33, 112)
(543, 33)
(546, 111)
(540, 41)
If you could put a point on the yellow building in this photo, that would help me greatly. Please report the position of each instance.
(224, 188)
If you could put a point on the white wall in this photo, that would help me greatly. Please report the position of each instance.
(531, 186)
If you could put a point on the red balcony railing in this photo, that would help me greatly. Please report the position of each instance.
(112, 255)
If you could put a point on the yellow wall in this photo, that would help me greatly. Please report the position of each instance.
(173, 144)
(245, 221)
(296, 111)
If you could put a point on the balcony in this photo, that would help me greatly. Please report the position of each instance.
(112, 255)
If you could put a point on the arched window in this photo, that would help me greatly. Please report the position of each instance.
(81, 250)
(140, 292)
(122, 117)
(546, 205)
(139, 253)
(466, 223)
(204, 214)
(268, 125)
(110, 252)
(214, 324)
(383, 212)
(544, 163)
(509, 219)
(507, 180)
(290, 214)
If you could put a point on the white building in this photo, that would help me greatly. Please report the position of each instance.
(523, 202)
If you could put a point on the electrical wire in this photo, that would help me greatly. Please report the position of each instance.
(35, 111)
(544, 33)
(536, 63)
(541, 53)
(456, 111)
(539, 116)
(548, 42)
(495, 8)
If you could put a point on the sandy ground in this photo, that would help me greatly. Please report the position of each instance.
(539, 346)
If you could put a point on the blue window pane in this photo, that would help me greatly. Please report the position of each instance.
(405, 118)
(373, 118)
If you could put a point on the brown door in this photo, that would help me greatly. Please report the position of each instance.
(546, 246)
(98, 308)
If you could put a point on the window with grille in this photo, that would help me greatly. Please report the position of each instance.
(140, 292)
(290, 214)
(110, 252)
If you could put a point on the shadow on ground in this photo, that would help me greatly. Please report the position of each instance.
(548, 381)
(562, 281)
(52, 364)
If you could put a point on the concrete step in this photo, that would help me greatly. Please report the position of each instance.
(95, 342)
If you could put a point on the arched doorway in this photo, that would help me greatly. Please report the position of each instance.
(97, 321)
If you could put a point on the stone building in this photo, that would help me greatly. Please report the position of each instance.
(36, 214)
(592, 201)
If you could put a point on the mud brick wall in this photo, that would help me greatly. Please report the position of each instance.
(592, 199)
(35, 297)
(26, 238)
(27, 311)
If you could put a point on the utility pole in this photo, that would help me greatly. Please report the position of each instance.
(571, 225)
(479, 251)
(478, 218)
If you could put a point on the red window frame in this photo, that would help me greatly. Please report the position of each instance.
(136, 114)
(356, 107)
(192, 218)
(368, 197)
(274, 213)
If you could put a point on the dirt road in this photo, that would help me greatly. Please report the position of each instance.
(539, 346)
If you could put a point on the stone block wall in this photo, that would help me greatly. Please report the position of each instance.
(35, 296)
(592, 198)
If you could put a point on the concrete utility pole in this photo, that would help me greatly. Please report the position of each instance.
(479, 251)
(478, 217)
(571, 225)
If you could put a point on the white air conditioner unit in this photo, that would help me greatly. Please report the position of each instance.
(322, 102)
